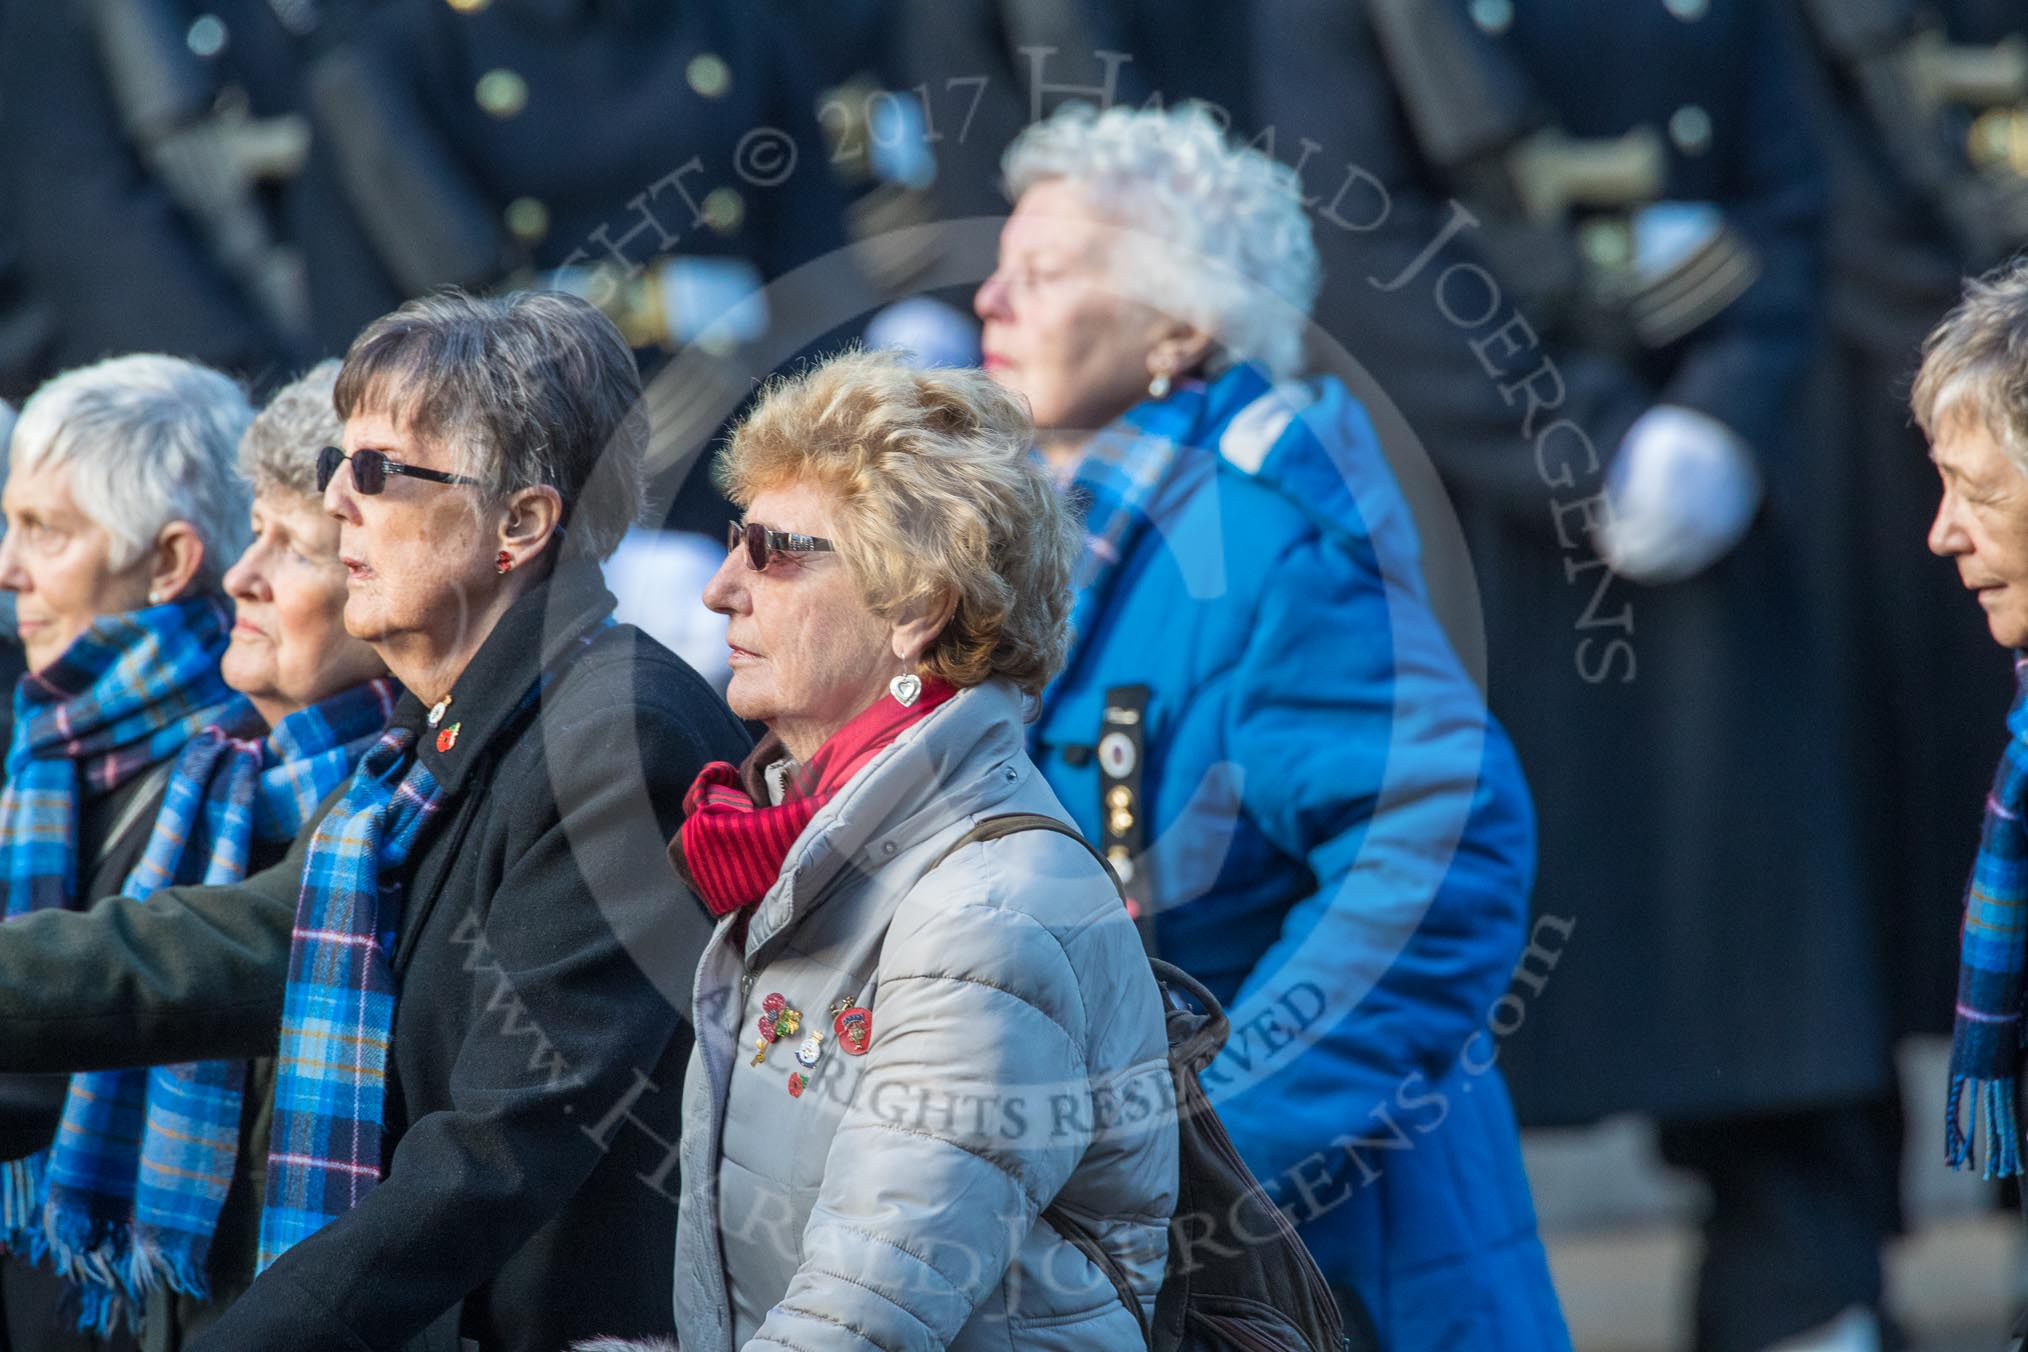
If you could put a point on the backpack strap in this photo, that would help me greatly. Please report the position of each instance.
(1013, 823)
(1087, 1243)
(1061, 1221)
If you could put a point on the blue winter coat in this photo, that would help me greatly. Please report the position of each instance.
(1341, 844)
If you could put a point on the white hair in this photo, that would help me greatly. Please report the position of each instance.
(1240, 250)
(149, 440)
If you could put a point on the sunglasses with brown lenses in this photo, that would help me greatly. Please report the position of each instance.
(763, 544)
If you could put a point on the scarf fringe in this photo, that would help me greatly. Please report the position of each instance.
(2003, 1129)
(115, 1266)
(21, 1206)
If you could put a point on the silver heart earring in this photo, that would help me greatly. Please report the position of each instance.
(906, 688)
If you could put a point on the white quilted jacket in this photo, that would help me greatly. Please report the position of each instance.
(1017, 1057)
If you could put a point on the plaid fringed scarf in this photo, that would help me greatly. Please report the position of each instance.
(324, 1155)
(127, 695)
(1993, 963)
(1129, 476)
(141, 1165)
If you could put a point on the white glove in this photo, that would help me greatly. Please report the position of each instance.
(926, 332)
(1680, 494)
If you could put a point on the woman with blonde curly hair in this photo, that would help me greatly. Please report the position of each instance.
(905, 1050)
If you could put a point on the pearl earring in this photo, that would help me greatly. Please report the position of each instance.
(906, 688)
(154, 596)
(1158, 385)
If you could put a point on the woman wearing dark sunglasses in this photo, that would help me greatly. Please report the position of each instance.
(909, 1042)
(477, 1083)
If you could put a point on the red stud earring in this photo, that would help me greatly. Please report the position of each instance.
(505, 563)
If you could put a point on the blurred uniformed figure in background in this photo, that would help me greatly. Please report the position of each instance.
(1577, 245)
(948, 85)
(147, 169)
(990, 67)
(26, 328)
(1924, 117)
(662, 160)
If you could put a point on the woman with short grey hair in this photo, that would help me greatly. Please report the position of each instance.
(149, 1196)
(474, 1065)
(1971, 400)
(501, 413)
(144, 443)
(123, 510)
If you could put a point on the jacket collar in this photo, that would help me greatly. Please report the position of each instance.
(531, 637)
(958, 762)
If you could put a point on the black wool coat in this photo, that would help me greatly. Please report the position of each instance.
(528, 1191)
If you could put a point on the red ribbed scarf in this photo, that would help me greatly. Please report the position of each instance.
(732, 844)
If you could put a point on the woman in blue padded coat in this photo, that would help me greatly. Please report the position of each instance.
(1261, 722)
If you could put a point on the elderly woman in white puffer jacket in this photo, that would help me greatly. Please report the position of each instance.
(902, 1058)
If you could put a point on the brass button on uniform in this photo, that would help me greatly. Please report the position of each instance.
(1606, 242)
(468, 6)
(207, 36)
(709, 75)
(1493, 17)
(1690, 129)
(502, 93)
(724, 209)
(527, 220)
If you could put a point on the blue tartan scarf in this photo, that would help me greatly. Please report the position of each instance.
(1125, 480)
(324, 1155)
(325, 1148)
(126, 695)
(1993, 963)
(144, 1158)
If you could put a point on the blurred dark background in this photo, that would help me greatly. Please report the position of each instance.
(1759, 787)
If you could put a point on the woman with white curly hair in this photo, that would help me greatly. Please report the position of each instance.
(1260, 722)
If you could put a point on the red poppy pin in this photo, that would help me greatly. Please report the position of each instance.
(854, 1028)
(448, 738)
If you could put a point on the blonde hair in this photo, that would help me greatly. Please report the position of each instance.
(938, 495)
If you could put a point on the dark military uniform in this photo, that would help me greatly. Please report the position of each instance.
(624, 149)
(104, 106)
(1934, 688)
(1476, 179)
(989, 68)
(25, 325)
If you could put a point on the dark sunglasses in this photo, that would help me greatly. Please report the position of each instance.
(371, 468)
(763, 544)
